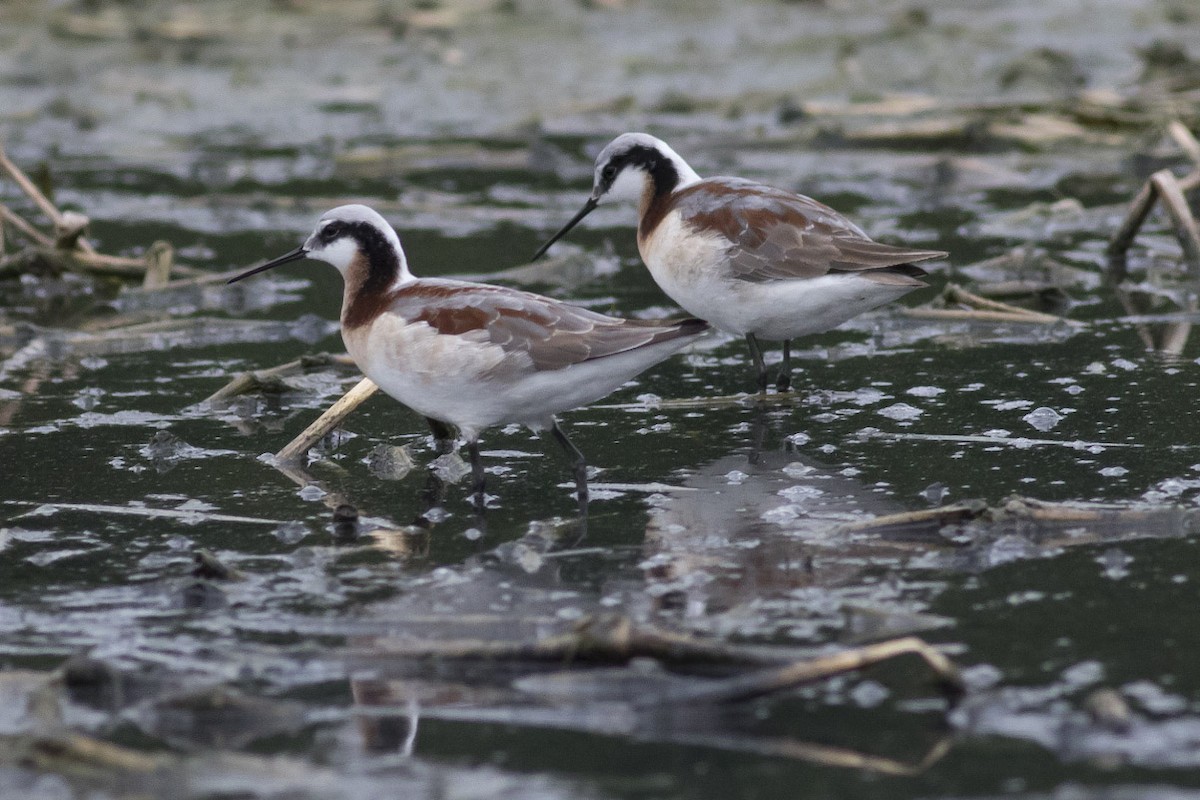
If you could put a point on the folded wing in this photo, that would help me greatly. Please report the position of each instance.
(553, 334)
(777, 235)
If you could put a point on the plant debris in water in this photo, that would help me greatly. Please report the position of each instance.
(1003, 466)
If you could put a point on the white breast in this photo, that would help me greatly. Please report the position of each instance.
(690, 268)
(436, 375)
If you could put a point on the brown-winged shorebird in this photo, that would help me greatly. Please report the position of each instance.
(753, 260)
(472, 355)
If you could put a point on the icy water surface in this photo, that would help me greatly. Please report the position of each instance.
(727, 518)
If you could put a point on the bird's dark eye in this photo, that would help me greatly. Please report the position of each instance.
(332, 231)
(608, 173)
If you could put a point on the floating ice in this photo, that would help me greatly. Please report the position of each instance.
(866, 397)
(900, 412)
(527, 558)
(88, 398)
(782, 515)
(92, 362)
(193, 504)
(1043, 418)
(450, 467)
(1115, 563)
(798, 470)
(869, 694)
(1008, 405)
(1152, 698)
(389, 462)
(649, 400)
(934, 493)
(925, 391)
(1113, 472)
(291, 532)
(1085, 673)
(800, 493)
(1007, 549)
(312, 492)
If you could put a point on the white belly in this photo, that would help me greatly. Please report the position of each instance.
(473, 384)
(692, 269)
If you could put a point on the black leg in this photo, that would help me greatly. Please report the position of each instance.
(578, 463)
(758, 433)
(756, 355)
(784, 381)
(443, 436)
(432, 495)
(477, 482)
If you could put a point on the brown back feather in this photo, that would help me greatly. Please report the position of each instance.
(553, 334)
(778, 235)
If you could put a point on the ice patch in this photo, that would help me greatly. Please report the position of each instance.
(900, 412)
(1043, 418)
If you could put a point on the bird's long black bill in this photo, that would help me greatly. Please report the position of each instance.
(588, 208)
(286, 258)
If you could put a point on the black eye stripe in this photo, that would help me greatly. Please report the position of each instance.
(660, 169)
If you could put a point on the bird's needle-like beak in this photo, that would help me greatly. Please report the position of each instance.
(588, 208)
(286, 258)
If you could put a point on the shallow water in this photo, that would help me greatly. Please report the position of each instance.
(736, 520)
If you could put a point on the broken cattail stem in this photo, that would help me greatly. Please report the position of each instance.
(791, 676)
(1122, 240)
(956, 294)
(35, 194)
(68, 230)
(1181, 215)
(327, 421)
(30, 232)
(976, 315)
(159, 260)
(600, 639)
(247, 381)
(1139, 209)
(1186, 141)
(943, 515)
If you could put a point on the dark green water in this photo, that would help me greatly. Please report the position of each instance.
(722, 519)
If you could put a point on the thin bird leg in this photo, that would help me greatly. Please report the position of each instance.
(432, 495)
(578, 462)
(443, 436)
(756, 355)
(477, 482)
(784, 381)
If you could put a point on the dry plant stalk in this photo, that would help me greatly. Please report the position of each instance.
(982, 309)
(1015, 507)
(800, 673)
(617, 640)
(68, 250)
(1165, 187)
(258, 379)
(27, 186)
(325, 423)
